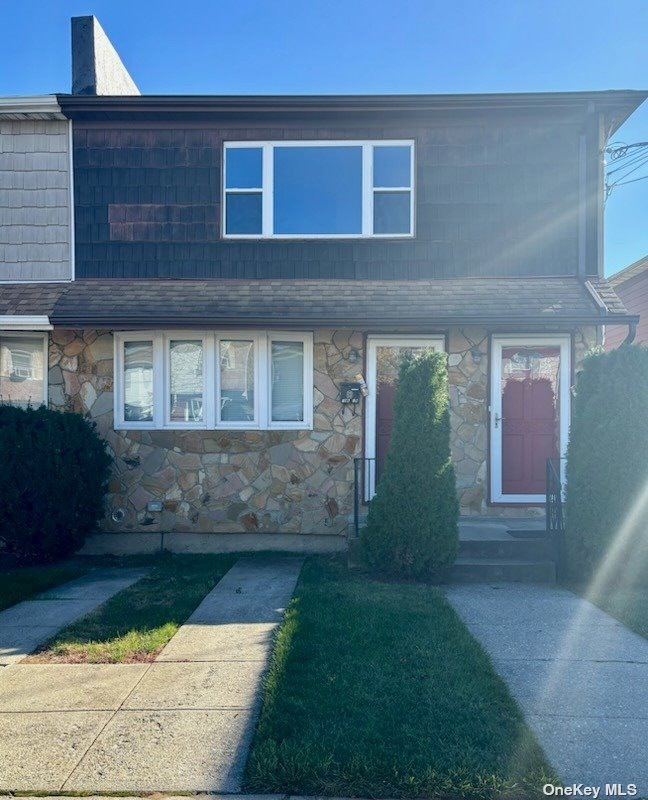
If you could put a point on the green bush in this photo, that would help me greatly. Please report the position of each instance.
(607, 460)
(412, 525)
(54, 477)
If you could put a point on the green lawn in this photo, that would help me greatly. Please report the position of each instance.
(21, 583)
(136, 623)
(377, 690)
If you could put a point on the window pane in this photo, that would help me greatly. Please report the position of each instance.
(21, 370)
(392, 212)
(317, 190)
(244, 168)
(244, 213)
(237, 381)
(391, 166)
(186, 374)
(138, 381)
(287, 381)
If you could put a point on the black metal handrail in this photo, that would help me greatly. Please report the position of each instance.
(364, 480)
(555, 519)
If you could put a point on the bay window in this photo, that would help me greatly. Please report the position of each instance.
(240, 381)
(312, 189)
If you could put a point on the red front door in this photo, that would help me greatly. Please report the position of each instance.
(530, 417)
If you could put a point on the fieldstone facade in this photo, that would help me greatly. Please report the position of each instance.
(268, 481)
(220, 481)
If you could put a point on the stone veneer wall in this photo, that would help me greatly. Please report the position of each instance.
(268, 481)
(220, 481)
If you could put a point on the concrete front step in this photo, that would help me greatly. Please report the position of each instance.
(481, 570)
(536, 549)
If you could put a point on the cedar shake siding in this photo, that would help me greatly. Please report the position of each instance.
(497, 192)
(34, 200)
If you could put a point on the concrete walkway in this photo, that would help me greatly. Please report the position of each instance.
(182, 723)
(579, 675)
(30, 623)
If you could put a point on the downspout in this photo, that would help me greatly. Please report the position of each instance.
(632, 332)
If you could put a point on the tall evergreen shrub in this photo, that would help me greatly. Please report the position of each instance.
(53, 477)
(412, 525)
(607, 460)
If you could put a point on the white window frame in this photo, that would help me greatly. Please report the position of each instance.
(211, 376)
(259, 343)
(208, 377)
(368, 189)
(120, 385)
(17, 334)
(499, 342)
(307, 341)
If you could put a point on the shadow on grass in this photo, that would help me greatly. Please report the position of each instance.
(136, 623)
(377, 689)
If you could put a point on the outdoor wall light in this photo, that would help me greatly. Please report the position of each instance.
(476, 355)
(353, 356)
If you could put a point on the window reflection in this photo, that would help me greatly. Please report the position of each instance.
(138, 381)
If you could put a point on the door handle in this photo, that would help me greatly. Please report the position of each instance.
(498, 419)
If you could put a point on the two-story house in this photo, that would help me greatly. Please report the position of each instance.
(239, 261)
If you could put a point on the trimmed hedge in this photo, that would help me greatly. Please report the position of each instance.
(412, 525)
(607, 459)
(54, 477)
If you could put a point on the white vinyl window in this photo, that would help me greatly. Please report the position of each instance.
(23, 369)
(239, 380)
(310, 189)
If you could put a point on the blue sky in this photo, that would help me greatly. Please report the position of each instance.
(347, 46)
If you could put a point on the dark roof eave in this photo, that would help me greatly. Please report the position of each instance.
(519, 323)
(89, 107)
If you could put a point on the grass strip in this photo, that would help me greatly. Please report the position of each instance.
(136, 623)
(378, 690)
(22, 583)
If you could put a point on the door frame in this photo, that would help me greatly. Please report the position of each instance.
(437, 342)
(498, 342)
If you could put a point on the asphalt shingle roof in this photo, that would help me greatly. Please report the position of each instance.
(123, 303)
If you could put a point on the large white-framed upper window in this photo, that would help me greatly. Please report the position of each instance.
(23, 368)
(237, 380)
(318, 189)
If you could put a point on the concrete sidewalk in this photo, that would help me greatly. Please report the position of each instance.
(183, 723)
(579, 675)
(30, 623)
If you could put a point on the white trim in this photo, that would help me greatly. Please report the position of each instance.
(307, 341)
(187, 336)
(27, 106)
(367, 188)
(495, 409)
(258, 344)
(18, 322)
(71, 195)
(373, 342)
(211, 379)
(158, 380)
(18, 333)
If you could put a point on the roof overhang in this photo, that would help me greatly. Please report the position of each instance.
(382, 323)
(19, 322)
(617, 105)
(35, 107)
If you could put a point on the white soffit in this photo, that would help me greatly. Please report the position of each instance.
(18, 322)
(36, 107)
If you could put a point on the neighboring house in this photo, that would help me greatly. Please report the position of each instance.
(239, 259)
(631, 285)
